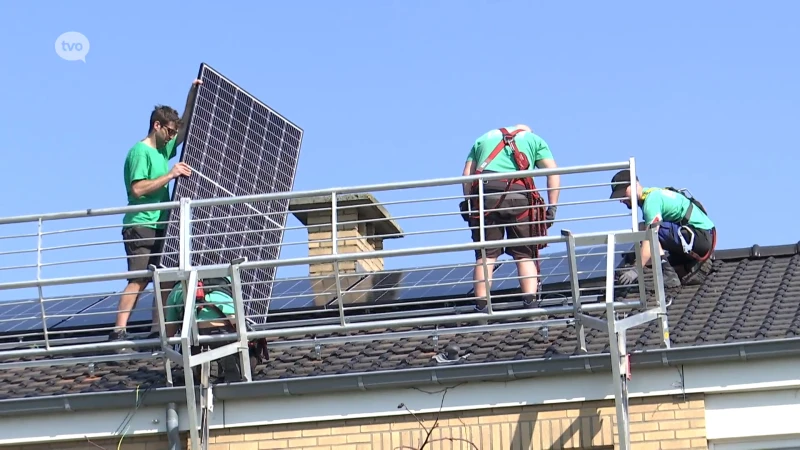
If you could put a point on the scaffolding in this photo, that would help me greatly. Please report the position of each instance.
(176, 350)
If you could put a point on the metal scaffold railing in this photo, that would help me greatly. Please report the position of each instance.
(342, 284)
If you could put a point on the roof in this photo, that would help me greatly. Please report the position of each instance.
(753, 294)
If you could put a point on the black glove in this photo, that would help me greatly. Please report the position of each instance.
(629, 276)
(550, 215)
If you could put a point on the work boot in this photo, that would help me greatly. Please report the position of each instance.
(231, 368)
(672, 282)
(696, 274)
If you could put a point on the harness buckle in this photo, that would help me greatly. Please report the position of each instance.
(687, 246)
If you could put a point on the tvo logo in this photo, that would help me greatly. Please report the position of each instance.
(72, 46)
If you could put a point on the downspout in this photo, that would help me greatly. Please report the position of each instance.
(173, 432)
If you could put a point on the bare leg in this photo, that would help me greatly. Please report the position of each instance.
(529, 276)
(480, 284)
(128, 301)
(166, 288)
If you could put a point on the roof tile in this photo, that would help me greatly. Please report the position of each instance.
(743, 299)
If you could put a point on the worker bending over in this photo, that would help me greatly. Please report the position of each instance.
(518, 214)
(215, 314)
(685, 231)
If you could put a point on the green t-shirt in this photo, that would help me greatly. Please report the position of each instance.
(147, 163)
(533, 146)
(671, 207)
(222, 300)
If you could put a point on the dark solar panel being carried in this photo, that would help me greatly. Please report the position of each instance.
(236, 145)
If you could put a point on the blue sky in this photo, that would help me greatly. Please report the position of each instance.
(703, 94)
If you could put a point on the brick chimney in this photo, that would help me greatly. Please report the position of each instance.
(354, 235)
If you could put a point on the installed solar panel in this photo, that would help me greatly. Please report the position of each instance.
(236, 145)
(412, 284)
(590, 262)
(305, 293)
(103, 313)
(27, 318)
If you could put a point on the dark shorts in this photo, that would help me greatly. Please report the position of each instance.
(506, 224)
(143, 245)
(670, 242)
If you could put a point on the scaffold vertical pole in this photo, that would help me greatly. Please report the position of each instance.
(39, 288)
(617, 357)
(335, 251)
(187, 341)
(576, 291)
(482, 234)
(185, 234)
(241, 322)
(637, 246)
(162, 326)
(658, 284)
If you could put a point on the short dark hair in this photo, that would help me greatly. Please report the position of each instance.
(163, 114)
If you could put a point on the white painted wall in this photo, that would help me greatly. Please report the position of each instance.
(749, 420)
(711, 379)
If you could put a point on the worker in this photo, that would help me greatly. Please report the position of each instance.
(215, 313)
(521, 214)
(684, 231)
(147, 176)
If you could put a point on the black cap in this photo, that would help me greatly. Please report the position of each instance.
(618, 190)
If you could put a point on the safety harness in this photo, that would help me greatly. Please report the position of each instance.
(536, 212)
(684, 223)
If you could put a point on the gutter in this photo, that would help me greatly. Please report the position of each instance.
(443, 374)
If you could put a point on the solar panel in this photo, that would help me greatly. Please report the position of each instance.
(27, 317)
(412, 284)
(236, 145)
(554, 268)
(309, 293)
(103, 313)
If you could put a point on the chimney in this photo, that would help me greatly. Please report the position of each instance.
(354, 235)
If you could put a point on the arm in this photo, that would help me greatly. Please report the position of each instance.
(553, 181)
(544, 160)
(469, 168)
(141, 188)
(187, 112)
(651, 212)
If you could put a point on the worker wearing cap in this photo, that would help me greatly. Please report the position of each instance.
(685, 231)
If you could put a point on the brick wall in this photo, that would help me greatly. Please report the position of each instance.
(656, 423)
(353, 238)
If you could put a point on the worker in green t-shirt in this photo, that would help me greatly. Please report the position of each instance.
(216, 304)
(686, 235)
(147, 175)
(495, 151)
(215, 313)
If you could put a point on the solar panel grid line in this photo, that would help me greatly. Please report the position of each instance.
(249, 206)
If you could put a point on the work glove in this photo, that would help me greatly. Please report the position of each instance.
(550, 215)
(629, 276)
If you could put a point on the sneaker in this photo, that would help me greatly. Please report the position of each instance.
(120, 335)
(484, 310)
